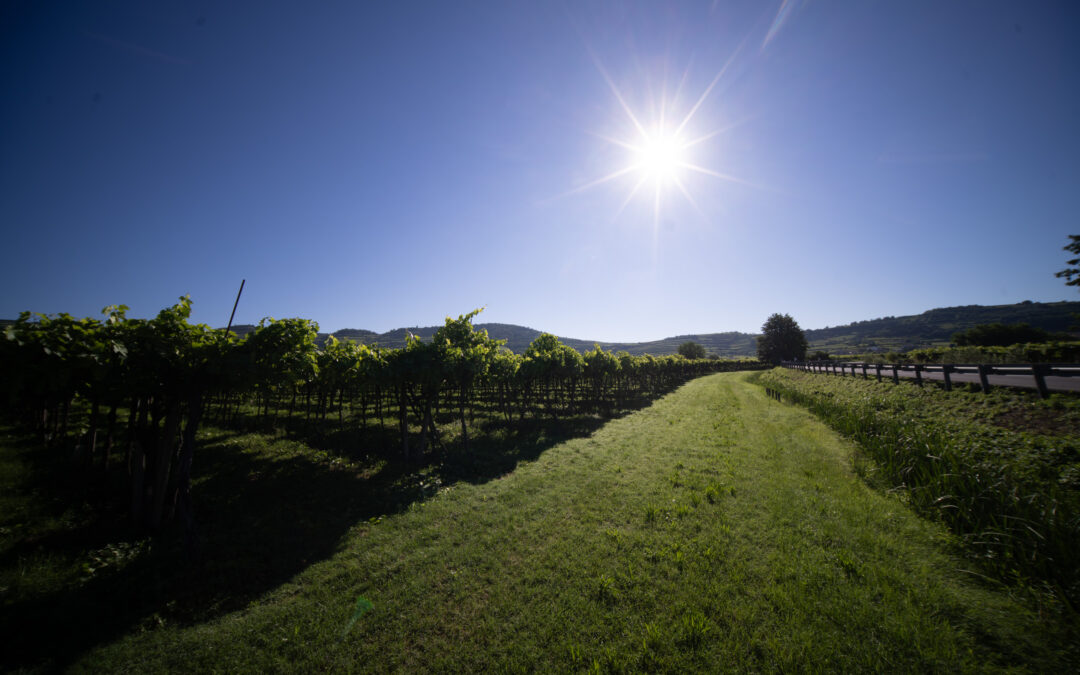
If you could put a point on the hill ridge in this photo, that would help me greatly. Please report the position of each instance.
(934, 327)
(890, 333)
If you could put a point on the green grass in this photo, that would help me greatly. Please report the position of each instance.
(714, 530)
(1002, 470)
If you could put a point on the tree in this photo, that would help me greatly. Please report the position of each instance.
(692, 350)
(1070, 272)
(781, 340)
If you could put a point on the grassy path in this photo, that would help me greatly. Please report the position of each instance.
(714, 530)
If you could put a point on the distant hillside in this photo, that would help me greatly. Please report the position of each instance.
(518, 339)
(357, 334)
(933, 327)
(937, 326)
(892, 333)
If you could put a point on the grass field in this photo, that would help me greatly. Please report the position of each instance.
(715, 530)
(1002, 470)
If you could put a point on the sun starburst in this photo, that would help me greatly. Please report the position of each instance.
(659, 155)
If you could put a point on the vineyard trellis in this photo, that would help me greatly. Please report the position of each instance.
(168, 376)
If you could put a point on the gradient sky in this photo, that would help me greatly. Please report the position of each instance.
(385, 164)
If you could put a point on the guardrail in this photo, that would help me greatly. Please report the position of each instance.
(1044, 377)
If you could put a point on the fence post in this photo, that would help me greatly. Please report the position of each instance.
(945, 369)
(984, 370)
(864, 370)
(895, 375)
(1039, 371)
(918, 374)
(877, 371)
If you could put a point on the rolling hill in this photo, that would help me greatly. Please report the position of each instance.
(934, 327)
(891, 333)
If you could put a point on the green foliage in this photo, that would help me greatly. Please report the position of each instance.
(781, 340)
(1069, 273)
(695, 629)
(464, 343)
(692, 350)
(999, 335)
(160, 369)
(712, 494)
(283, 352)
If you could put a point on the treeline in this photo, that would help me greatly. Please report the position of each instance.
(140, 388)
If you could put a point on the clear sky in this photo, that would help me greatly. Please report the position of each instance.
(600, 170)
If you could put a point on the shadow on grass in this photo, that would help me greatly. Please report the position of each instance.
(263, 517)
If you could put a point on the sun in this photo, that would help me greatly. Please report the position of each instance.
(660, 156)
(659, 153)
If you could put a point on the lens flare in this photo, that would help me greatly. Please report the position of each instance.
(660, 155)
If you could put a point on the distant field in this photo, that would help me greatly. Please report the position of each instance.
(713, 530)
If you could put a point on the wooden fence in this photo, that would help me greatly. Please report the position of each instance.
(1028, 375)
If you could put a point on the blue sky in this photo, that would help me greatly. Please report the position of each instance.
(378, 165)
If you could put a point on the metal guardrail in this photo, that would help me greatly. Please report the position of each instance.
(1038, 372)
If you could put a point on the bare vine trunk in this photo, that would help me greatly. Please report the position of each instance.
(403, 421)
(166, 449)
(183, 472)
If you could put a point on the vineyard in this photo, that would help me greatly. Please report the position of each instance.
(712, 526)
(451, 505)
(129, 395)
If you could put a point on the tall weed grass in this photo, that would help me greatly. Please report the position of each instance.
(1010, 496)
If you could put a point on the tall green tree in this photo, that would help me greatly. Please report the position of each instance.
(781, 340)
(692, 350)
(1071, 274)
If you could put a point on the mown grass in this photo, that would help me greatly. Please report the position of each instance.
(1002, 470)
(713, 530)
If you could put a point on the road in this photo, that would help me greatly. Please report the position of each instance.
(1062, 378)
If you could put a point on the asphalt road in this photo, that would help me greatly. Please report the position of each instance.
(1062, 383)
